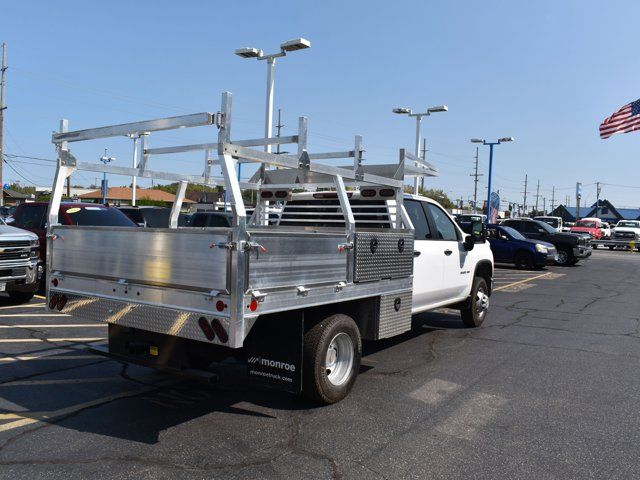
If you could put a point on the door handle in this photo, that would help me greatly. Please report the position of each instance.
(448, 252)
(416, 253)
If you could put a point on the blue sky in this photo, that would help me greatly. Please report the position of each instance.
(545, 72)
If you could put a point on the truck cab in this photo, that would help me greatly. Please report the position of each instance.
(592, 226)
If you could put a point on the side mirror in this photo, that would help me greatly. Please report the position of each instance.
(542, 230)
(469, 243)
(478, 231)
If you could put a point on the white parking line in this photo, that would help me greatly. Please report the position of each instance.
(59, 325)
(471, 416)
(29, 305)
(53, 356)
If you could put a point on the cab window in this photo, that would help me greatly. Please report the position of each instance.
(445, 229)
(418, 218)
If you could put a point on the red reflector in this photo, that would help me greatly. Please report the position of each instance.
(206, 328)
(281, 194)
(253, 306)
(220, 305)
(220, 331)
(54, 282)
(62, 301)
(368, 192)
(387, 192)
(53, 301)
(266, 194)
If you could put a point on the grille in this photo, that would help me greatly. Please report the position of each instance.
(14, 255)
(17, 243)
(625, 235)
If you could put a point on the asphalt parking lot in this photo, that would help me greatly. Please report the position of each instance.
(546, 388)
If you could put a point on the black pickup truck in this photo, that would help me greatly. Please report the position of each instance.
(571, 247)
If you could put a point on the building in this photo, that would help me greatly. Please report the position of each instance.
(605, 211)
(123, 195)
(11, 197)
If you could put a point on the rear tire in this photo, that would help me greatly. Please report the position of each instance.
(331, 359)
(21, 297)
(611, 248)
(474, 314)
(523, 260)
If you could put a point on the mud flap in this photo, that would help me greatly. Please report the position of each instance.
(274, 352)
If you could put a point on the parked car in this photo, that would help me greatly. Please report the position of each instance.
(592, 226)
(555, 222)
(510, 246)
(33, 217)
(20, 266)
(571, 247)
(152, 217)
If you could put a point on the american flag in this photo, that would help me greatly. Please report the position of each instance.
(625, 120)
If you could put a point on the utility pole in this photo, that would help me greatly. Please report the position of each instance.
(553, 198)
(475, 183)
(279, 127)
(524, 202)
(3, 107)
(424, 157)
(537, 195)
(598, 190)
(544, 205)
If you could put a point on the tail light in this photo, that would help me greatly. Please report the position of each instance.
(282, 194)
(220, 306)
(220, 331)
(206, 328)
(266, 194)
(253, 306)
(367, 192)
(387, 192)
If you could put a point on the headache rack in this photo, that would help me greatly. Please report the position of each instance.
(325, 249)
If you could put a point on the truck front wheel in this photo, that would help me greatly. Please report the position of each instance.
(331, 359)
(475, 312)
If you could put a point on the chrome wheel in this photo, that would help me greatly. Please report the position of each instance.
(481, 303)
(339, 359)
(563, 257)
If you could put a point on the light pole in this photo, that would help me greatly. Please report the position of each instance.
(408, 111)
(249, 52)
(491, 144)
(105, 159)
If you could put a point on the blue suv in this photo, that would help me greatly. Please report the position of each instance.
(509, 246)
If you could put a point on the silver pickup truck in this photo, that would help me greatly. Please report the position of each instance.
(20, 268)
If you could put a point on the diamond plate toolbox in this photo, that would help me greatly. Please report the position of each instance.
(395, 314)
(381, 255)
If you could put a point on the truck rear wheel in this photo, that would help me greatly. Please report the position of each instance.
(21, 297)
(474, 314)
(331, 361)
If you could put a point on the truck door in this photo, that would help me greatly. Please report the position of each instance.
(458, 274)
(428, 260)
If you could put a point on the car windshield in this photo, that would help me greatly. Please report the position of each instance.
(513, 233)
(98, 216)
(586, 224)
(628, 224)
(551, 221)
(546, 227)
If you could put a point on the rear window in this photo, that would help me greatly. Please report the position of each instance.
(210, 220)
(134, 214)
(97, 216)
(586, 224)
(156, 217)
(31, 216)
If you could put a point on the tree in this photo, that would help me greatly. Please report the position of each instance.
(439, 196)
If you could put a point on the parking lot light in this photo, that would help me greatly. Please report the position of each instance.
(491, 144)
(429, 111)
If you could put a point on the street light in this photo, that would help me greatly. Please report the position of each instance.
(250, 52)
(491, 144)
(408, 111)
(105, 159)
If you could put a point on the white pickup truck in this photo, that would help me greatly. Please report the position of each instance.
(288, 299)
